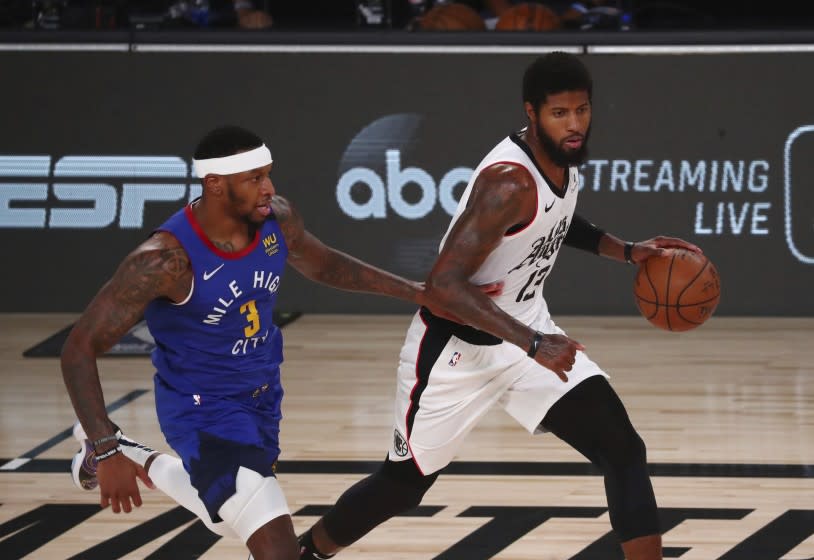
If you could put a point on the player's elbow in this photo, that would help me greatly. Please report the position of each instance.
(443, 290)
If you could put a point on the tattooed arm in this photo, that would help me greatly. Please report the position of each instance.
(320, 263)
(503, 196)
(157, 268)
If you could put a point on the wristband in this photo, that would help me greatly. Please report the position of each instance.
(108, 454)
(96, 443)
(628, 252)
(535, 344)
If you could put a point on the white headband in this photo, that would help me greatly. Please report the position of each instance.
(237, 163)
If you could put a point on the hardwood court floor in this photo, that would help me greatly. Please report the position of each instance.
(727, 413)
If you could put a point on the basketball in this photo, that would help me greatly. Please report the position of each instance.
(528, 17)
(452, 17)
(678, 291)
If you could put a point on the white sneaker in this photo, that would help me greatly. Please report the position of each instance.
(83, 465)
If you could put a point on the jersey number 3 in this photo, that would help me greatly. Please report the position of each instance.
(529, 290)
(250, 310)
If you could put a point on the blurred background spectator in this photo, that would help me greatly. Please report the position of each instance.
(461, 15)
(118, 14)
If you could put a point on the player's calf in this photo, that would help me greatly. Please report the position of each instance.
(643, 548)
(393, 489)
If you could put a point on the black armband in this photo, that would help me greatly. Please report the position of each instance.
(108, 454)
(629, 252)
(535, 344)
(582, 234)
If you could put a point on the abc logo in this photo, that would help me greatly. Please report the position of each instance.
(373, 183)
(390, 190)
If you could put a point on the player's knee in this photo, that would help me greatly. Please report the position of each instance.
(622, 450)
(634, 451)
(393, 489)
(410, 496)
(275, 541)
(406, 483)
(256, 501)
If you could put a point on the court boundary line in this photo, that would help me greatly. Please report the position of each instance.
(11, 465)
(499, 468)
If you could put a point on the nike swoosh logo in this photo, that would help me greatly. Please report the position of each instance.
(208, 275)
(550, 206)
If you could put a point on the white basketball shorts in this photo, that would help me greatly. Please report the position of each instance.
(449, 376)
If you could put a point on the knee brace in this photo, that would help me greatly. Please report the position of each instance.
(256, 501)
(631, 501)
(403, 480)
(395, 488)
(592, 419)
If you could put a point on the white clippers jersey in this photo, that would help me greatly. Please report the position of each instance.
(524, 258)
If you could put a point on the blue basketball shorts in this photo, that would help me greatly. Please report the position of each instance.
(215, 436)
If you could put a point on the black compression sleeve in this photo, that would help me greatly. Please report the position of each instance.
(582, 234)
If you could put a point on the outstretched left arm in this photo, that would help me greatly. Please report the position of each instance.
(582, 234)
(320, 263)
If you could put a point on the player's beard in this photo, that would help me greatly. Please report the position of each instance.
(236, 202)
(558, 154)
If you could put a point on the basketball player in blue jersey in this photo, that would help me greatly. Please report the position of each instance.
(206, 281)
(511, 221)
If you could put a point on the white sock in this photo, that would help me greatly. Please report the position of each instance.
(169, 476)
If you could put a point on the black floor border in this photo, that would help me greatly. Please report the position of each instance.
(486, 468)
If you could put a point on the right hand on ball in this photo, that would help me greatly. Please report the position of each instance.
(557, 352)
(659, 246)
(117, 483)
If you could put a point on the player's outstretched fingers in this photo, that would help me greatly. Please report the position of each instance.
(104, 501)
(125, 501)
(115, 503)
(676, 243)
(136, 496)
(560, 371)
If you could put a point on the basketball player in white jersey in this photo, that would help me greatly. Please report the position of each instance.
(515, 214)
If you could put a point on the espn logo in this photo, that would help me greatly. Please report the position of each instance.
(88, 192)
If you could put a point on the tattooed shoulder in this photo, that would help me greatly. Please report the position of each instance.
(503, 188)
(159, 267)
(289, 219)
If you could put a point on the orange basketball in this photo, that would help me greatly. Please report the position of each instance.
(452, 17)
(677, 292)
(528, 17)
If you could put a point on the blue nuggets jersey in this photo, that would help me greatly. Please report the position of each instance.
(221, 340)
